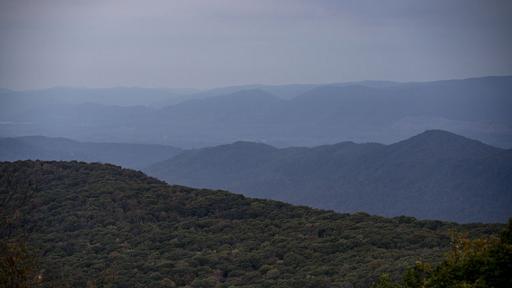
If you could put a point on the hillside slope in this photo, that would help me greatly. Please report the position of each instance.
(103, 225)
(47, 148)
(434, 175)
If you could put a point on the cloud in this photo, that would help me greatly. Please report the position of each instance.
(212, 43)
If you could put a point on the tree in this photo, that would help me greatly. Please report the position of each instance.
(18, 266)
(478, 263)
(385, 281)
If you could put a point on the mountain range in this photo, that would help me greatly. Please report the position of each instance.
(433, 175)
(281, 115)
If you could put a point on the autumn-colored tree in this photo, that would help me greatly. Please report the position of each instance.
(471, 263)
(18, 266)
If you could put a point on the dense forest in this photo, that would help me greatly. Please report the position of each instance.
(72, 224)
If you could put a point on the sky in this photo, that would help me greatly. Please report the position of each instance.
(210, 43)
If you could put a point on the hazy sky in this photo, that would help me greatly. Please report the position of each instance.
(157, 43)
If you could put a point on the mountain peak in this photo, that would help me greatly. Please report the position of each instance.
(443, 137)
(248, 145)
(248, 95)
(439, 133)
(251, 92)
(443, 144)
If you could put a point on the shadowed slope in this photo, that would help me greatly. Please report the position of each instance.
(436, 175)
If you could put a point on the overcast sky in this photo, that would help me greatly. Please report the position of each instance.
(200, 44)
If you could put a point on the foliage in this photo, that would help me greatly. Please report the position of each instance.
(385, 281)
(18, 266)
(478, 263)
(96, 225)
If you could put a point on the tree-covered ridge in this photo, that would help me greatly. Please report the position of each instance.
(433, 175)
(101, 225)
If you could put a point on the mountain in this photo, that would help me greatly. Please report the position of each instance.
(287, 91)
(97, 225)
(120, 96)
(44, 148)
(434, 175)
(282, 115)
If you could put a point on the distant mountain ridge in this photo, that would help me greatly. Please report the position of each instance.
(282, 115)
(435, 175)
(45, 148)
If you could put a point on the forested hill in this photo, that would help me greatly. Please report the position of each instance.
(101, 225)
(433, 175)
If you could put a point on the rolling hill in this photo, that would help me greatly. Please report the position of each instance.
(434, 175)
(45, 148)
(97, 225)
